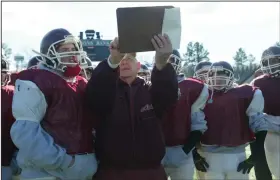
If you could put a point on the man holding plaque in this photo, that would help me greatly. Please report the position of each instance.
(129, 139)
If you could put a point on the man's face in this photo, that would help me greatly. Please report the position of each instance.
(69, 59)
(129, 66)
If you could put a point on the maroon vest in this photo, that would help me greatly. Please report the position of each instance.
(227, 121)
(177, 121)
(66, 118)
(270, 88)
(7, 120)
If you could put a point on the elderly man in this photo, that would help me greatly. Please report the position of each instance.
(129, 139)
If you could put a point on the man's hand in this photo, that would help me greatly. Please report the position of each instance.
(163, 47)
(246, 165)
(115, 55)
(199, 162)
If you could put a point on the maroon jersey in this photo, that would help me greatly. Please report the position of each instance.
(8, 147)
(66, 119)
(270, 88)
(227, 121)
(177, 121)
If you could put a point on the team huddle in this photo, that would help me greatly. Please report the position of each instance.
(64, 119)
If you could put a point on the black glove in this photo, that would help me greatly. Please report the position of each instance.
(192, 140)
(246, 165)
(199, 162)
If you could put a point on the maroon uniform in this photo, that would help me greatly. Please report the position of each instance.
(8, 147)
(66, 119)
(177, 121)
(270, 88)
(228, 111)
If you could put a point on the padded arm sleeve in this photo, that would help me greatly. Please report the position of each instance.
(197, 114)
(255, 113)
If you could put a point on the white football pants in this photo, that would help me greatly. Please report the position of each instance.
(272, 151)
(224, 166)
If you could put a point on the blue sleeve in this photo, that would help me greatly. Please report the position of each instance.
(36, 147)
(273, 123)
(257, 121)
(197, 115)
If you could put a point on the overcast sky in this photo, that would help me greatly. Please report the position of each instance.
(222, 27)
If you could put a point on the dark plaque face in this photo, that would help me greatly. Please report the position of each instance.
(97, 49)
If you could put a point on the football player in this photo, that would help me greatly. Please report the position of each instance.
(87, 69)
(232, 115)
(8, 161)
(269, 83)
(184, 124)
(144, 72)
(201, 70)
(33, 62)
(53, 130)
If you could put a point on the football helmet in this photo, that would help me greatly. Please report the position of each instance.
(33, 62)
(270, 61)
(176, 61)
(220, 76)
(54, 57)
(5, 75)
(144, 72)
(87, 69)
(201, 70)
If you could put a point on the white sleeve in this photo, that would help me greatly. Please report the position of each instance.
(257, 104)
(200, 103)
(113, 66)
(255, 113)
(29, 102)
(198, 121)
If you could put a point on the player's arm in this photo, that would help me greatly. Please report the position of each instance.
(35, 145)
(198, 122)
(255, 113)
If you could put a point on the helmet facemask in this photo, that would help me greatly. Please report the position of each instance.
(271, 65)
(144, 74)
(219, 78)
(176, 61)
(54, 58)
(202, 73)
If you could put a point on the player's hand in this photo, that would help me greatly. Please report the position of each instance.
(246, 166)
(199, 162)
(115, 55)
(163, 48)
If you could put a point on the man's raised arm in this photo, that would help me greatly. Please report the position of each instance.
(101, 88)
(164, 89)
